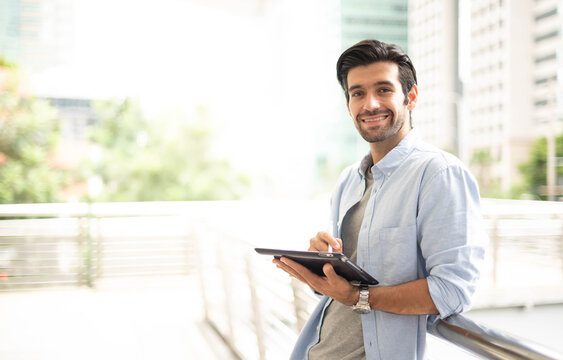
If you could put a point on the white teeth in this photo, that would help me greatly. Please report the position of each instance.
(376, 119)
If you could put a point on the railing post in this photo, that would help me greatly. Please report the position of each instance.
(99, 247)
(495, 243)
(256, 310)
(299, 306)
(199, 258)
(561, 244)
(228, 295)
(85, 248)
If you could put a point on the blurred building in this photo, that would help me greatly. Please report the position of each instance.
(489, 75)
(547, 75)
(384, 20)
(433, 48)
(548, 83)
(499, 96)
(547, 59)
(9, 29)
(37, 34)
(368, 19)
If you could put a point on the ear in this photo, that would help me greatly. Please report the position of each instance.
(413, 97)
(348, 108)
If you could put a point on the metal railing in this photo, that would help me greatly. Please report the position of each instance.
(259, 311)
(43, 245)
(255, 308)
(487, 343)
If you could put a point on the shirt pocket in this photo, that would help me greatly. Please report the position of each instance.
(397, 254)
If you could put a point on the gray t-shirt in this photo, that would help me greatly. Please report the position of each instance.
(341, 336)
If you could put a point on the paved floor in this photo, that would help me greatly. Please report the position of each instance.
(121, 319)
(161, 318)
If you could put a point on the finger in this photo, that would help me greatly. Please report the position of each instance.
(316, 244)
(339, 245)
(336, 244)
(322, 241)
(289, 270)
(307, 275)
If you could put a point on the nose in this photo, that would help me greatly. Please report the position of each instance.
(372, 103)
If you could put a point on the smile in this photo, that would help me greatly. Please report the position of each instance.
(372, 119)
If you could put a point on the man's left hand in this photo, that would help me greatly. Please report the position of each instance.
(331, 285)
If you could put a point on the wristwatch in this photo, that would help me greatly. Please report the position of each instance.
(362, 307)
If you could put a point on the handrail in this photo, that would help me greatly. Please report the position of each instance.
(265, 309)
(278, 307)
(457, 330)
(486, 342)
(44, 245)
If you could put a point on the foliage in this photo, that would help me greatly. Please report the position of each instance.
(535, 170)
(164, 159)
(29, 132)
(482, 161)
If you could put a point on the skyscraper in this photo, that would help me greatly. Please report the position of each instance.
(433, 47)
(548, 83)
(384, 20)
(500, 88)
(506, 54)
(9, 29)
(547, 60)
(36, 34)
(368, 19)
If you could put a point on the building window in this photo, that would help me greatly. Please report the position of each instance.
(545, 80)
(548, 57)
(546, 14)
(539, 103)
(547, 36)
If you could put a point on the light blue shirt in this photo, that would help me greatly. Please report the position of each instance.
(422, 220)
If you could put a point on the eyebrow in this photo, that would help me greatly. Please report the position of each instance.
(378, 83)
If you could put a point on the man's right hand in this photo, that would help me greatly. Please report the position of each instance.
(322, 241)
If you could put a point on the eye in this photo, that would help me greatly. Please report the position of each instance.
(357, 93)
(385, 90)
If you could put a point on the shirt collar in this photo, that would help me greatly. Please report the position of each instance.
(393, 159)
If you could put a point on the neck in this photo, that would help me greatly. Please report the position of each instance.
(379, 149)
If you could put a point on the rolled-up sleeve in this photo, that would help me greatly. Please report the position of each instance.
(452, 237)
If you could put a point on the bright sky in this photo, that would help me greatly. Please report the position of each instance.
(269, 80)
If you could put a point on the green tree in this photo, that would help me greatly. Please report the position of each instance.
(165, 159)
(535, 170)
(481, 162)
(29, 132)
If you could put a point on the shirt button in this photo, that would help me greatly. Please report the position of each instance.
(388, 174)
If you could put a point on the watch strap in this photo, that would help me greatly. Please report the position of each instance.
(362, 306)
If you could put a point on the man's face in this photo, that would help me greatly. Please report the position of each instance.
(376, 102)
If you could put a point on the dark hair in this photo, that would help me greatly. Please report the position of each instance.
(370, 51)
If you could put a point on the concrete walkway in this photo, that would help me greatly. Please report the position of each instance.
(153, 318)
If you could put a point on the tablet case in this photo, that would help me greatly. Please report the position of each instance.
(315, 260)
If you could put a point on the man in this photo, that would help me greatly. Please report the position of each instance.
(408, 213)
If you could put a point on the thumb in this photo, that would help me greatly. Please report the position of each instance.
(328, 270)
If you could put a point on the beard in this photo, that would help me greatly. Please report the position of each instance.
(378, 133)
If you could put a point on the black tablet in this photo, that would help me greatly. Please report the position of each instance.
(314, 261)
